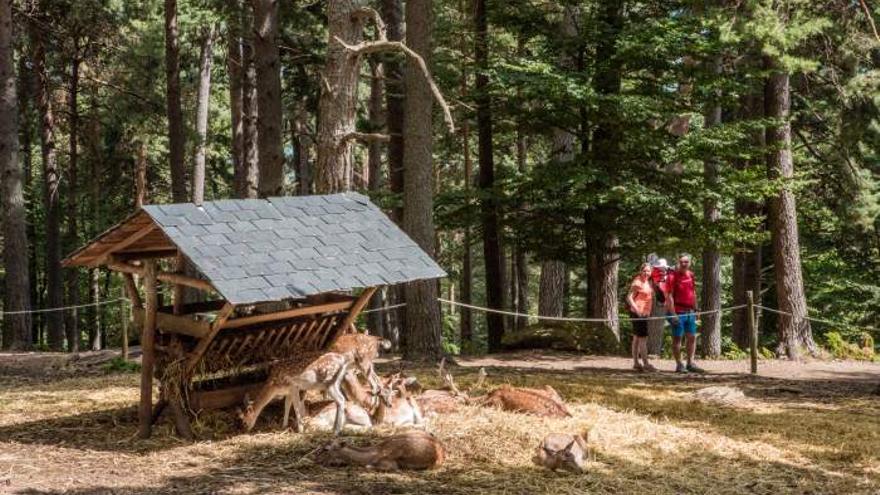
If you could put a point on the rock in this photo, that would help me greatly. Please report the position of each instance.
(721, 395)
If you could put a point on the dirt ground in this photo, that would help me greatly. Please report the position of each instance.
(68, 427)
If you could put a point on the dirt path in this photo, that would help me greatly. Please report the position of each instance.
(786, 370)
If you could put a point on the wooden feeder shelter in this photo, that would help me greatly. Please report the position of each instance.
(273, 277)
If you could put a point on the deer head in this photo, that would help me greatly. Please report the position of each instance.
(247, 416)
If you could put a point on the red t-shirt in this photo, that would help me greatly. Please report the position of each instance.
(682, 288)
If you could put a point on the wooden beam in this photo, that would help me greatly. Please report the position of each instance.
(126, 256)
(128, 241)
(145, 412)
(222, 398)
(203, 344)
(183, 325)
(179, 265)
(174, 278)
(290, 313)
(196, 307)
(355, 310)
(131, 287)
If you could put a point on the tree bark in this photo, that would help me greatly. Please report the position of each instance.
(71, 322)
(551, 289)
(466, 324)
(395, 95)
(140, 181)
(54, 289)
(94, 314)
(203, 100)
(423, 339)
(747, 257)
(795, 331)
(337, 106)
(710, 338)
(25, 98)
(302, 152)
(491, 241)
(376, 114)
(265, 51)
(176, 132)
(17, 291)
(602, 240)
(247, 176)
(235, 70)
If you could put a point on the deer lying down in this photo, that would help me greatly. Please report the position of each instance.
(410, 450)
(322, 415)
(396, 406)
(562, 451)
(538, 402)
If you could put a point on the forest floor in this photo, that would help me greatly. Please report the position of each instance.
(797, 428)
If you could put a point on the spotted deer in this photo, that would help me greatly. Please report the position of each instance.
(365, 349)
(538, 402)
(562, 451)
(410, 450)
(322, 415)
(315, 370)
(397, 406)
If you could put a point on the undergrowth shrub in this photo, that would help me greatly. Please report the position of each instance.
(119, 365)
(840, 348)
(729, 349)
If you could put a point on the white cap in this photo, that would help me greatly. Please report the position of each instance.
(661, 263)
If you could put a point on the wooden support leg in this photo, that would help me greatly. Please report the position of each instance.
(181, 420)
(145, 411)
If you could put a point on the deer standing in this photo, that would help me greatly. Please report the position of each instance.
(365, 349)
(562, 451)
(410, 450)
(315, 370)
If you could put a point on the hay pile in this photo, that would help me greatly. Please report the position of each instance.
(647, 434)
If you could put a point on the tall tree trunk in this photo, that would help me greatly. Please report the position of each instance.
(202, 106)
(71, 322)
(235, 70)
(466, 324)
(520, 268)
(54, 289)
(301, 150)
(176, 132)
(491, 241)
(422, 310)
(710, 338)
(395, 95)
(94, 315)
(16, 292)
(337, 106)
(247, 177)
(747, 260)
(795, 332)
(551, 289)
(602, 241)
(140, 177)
(376, 114)
(25, 98)
(265, 50)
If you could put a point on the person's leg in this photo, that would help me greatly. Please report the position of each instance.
(635, 351)
(691, 332)
(677, 334)
(691, 348)
(643, 348)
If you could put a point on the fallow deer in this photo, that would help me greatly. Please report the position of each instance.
(315, 370)
(528, 401)
(365, 349)
(397, 407)
(323, 414)
(562, 451)
(410, 450)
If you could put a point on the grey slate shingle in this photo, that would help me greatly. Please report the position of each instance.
(260, 250)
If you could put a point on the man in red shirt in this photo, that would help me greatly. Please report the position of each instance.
(681, 301)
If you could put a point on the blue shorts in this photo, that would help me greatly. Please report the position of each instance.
(687, 322)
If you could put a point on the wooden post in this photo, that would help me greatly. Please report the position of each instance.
(134, 299)
(126, 318)
(179, 291)
(148, 357)
(353, 313)
(753, 331)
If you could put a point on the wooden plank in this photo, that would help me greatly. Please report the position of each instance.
(203, 344)
(312, 339)
(179, 265)
(126, 242)
(196, 307)
(290, 313)
(183, 325)
(303, 331)
(353, 313)
(145, 412)
(126, 256)
(222, 398)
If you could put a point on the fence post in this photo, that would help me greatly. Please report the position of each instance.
(753, 331)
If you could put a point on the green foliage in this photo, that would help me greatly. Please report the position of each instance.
(840, 348)
(119, 365)
(729, 349)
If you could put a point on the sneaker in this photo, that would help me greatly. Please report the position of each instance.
(679, 368)
(693, 368)
(638, 367)
(649, 367)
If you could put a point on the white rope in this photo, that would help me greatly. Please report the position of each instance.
(65, 308)
(817, 320)
(386, 308)
(589, 320)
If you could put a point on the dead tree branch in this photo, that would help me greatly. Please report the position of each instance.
(368, 47)
(363, 137)
(370, 14)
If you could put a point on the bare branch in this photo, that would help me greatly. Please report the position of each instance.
(370, 14)
(870, 18)
(368, 47)
(363, 137)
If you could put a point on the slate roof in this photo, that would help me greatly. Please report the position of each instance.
(257, 250)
